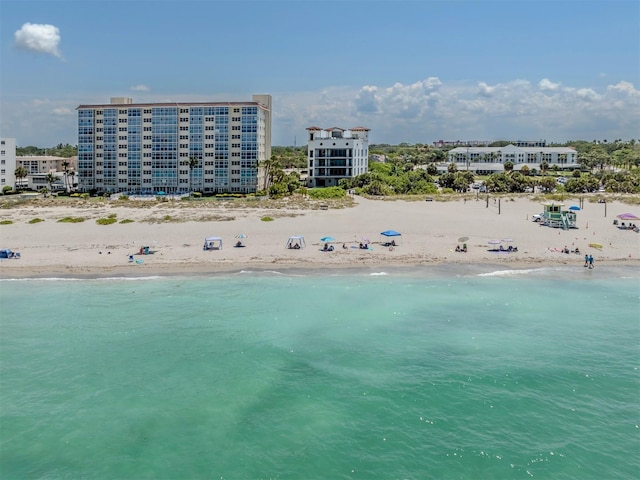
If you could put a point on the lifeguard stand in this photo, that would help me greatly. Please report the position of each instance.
(554, 216)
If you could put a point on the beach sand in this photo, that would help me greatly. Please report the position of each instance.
(430, 232)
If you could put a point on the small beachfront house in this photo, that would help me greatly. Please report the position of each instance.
(555, 216)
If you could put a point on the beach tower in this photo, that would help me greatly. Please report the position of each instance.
(555, 216)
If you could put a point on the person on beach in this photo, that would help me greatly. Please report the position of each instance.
(591, 265)
(586, 260)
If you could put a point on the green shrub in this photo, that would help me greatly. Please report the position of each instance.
(325, 193)
(6, 222)
(71, 220)
(106, 221)
(267, 219)
(196, 194)
(126, 220)
(6, 189)
(84, 195)
(123, 197)
(35, 220)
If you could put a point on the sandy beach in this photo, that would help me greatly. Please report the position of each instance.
(430, 232)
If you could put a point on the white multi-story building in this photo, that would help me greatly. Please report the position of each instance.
(336, 153)
(212, 147)
(7, 162)
(47, 163)
(487, 160)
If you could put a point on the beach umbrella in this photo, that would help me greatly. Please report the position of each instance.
(240, 235)
(574, 207)
(390, 233)
(494, 242)
(463, 239)
(628, 216)
(366, 240)
(506, 240)
(327, 239)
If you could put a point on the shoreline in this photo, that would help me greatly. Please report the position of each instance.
(428, 268)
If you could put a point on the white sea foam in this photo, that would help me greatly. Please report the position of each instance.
(78, 279)
(526, 271)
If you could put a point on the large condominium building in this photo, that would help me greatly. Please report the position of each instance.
(7, 162)
(336, 153)
(212, 147)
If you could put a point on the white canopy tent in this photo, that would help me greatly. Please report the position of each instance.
(296, 242)
(212, 243)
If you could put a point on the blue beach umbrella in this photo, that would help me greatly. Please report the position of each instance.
(390, 233)
(574, 207)
(327, 239)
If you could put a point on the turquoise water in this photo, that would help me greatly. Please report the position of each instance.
(412, 374)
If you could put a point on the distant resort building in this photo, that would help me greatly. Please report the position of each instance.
(47, 163)
(336, 153)
(7, 162)
(61, 182)
(486, 143)
(461, 143)
(145, 148)
(487, 160)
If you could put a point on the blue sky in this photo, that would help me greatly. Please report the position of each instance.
(412, 71)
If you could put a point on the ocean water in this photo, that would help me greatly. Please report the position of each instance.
(432, 373)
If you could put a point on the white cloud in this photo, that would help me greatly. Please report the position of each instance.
(419, 112)
(63, 111)
(430, 110)
(587, 94)
(485, 90)
(38, 38)
(140, 88)
(624, 88)
(546, 84)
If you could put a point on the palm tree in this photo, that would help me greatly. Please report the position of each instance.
(66, 164)
(20, 173)
(193, 163)
(51, 179)
(71, 174)
(269, 166)
(544, 166)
